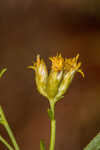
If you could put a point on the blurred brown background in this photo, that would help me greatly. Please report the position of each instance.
(28, 27)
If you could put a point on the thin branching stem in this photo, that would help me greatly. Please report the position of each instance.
(8, 129)
(6, 143)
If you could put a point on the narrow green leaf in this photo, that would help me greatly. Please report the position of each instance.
(2, 72)
(42, 145)
(94, 143)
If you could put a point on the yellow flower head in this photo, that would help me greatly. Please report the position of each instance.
(41, 75)
(57, 62)
(54, 85)
(72, 64)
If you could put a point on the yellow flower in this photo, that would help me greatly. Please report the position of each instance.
(72, 65)
(57, 62)
(54, 85)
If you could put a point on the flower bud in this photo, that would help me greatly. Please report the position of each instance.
(41, 75)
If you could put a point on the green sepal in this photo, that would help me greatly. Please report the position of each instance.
(42, 145)
(50, 114)
(94, 143)
(2, 72)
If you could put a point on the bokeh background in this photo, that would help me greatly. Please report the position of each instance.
(29, 27)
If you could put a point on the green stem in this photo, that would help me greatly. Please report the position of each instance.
(5, 143)
(8, 129)
(53, 126)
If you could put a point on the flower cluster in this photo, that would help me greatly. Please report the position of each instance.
(55, 84)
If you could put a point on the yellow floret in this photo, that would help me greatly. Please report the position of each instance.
(57, 62)
(72, 64)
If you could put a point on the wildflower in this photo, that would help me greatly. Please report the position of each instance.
(54, 85)
(41, 75)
